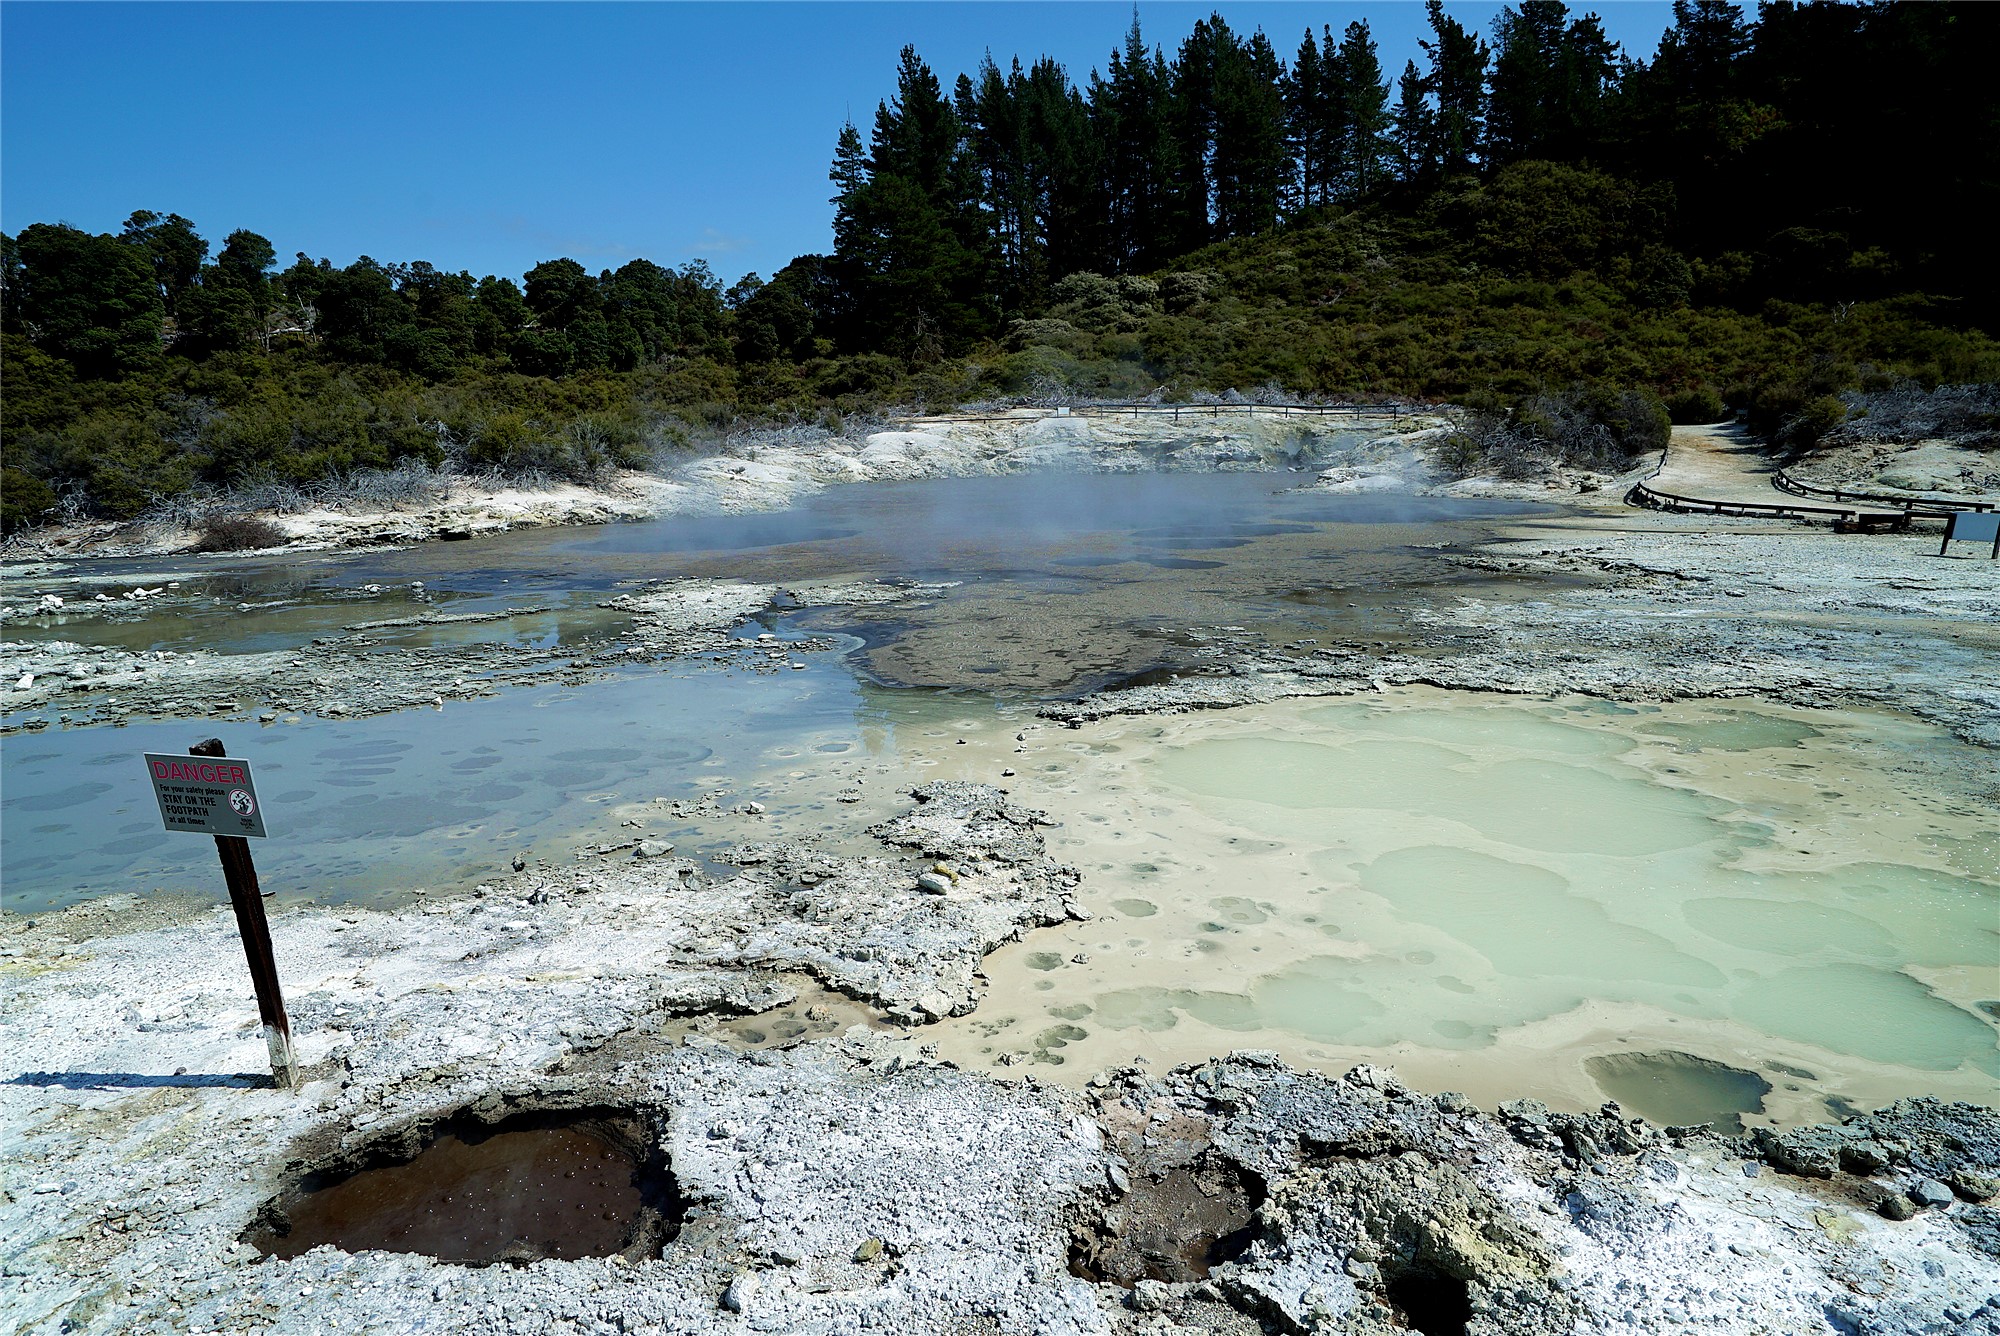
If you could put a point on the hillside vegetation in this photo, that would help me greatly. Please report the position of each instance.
(1556, 236)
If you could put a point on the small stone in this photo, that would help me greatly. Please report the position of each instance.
(740, 1292)
(1150, 1296)
(1895, 1207)
(1930, 1192)
(1008, 773)
(652, 849)
(1121, 1182)
(520, 863)
(934, 883)
(869, 1250)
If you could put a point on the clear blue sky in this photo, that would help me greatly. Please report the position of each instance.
(492, 136)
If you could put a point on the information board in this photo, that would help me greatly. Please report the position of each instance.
(204, 795)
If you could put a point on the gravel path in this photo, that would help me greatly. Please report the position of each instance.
(1718, 462)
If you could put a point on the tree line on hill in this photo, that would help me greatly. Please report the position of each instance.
(1766, 211)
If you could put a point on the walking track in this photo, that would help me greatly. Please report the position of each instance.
(1719, 469)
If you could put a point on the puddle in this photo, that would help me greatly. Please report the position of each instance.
(534, 1186)
(1680, 1089)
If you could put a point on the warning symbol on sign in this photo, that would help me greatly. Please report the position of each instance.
(242, 803)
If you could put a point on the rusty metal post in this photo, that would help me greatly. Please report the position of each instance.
(248, 902)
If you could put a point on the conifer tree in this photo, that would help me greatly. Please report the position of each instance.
(1412, 132)
(1250, 163)
(1364, 106)
(1311, 131)
(1130, 113)
(1456, 81)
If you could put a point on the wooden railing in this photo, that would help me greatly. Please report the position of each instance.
(1930, 506)
(1845, 519)
(1175, 412)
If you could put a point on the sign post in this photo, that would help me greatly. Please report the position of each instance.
(1972, 526)
(202, 797)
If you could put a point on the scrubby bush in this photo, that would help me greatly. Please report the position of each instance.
(24, 500)
(1966, 415)
(238, 533)
(1588, 426)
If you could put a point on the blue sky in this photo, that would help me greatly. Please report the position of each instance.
(492, 136)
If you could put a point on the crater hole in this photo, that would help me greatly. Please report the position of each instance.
(1430, 1301)
(1173, 1226)
(588, 1183)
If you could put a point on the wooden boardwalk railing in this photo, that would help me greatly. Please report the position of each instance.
(1175, 412)
(1845, 519)
(1915, 505)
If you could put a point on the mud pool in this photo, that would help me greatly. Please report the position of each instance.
(1707, 911)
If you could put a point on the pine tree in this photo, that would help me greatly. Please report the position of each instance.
(1308, 91)
(1456, 81)
(1364, 101)
(1249, 161)
(1192, 115)
(1550, 78)
(1412, 132)
(1130, 113)
(911, 243)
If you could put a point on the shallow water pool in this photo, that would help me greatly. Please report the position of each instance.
(1493, 894)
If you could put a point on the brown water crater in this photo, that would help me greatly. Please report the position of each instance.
(532, 1185)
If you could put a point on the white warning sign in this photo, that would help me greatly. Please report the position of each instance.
(206, 795)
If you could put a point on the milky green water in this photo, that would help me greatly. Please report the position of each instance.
(1494, 893)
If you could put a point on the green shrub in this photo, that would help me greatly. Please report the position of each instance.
(24, 500)
(238, 533)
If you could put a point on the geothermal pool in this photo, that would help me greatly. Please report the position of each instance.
(1709, 910)
(1499, 895)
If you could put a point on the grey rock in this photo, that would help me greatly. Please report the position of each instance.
(1928, 1192)
(742, 1290)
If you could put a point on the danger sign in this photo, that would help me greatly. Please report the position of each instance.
(204, 796)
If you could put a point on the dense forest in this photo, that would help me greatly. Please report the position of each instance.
(1770, 210)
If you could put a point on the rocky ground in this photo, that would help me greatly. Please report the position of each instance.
(850, 1182)
(1944, 470)
(344, 675)
(1678, 607)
